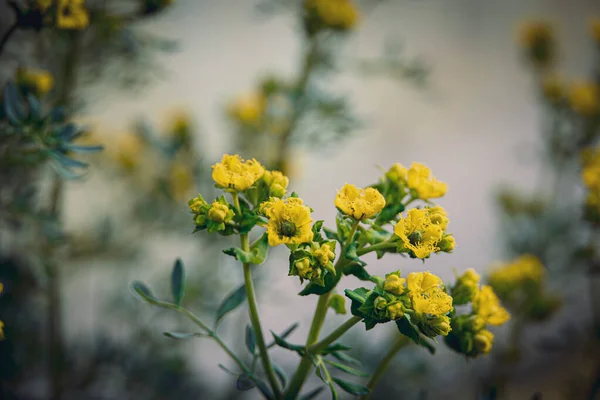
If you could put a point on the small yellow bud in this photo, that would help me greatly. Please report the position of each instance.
(466, 286)
(303, 268)
(1, 330)
(196, 204)
(394, 284)
(277, 183)
(397, 173)
(438, 216)
(585, 98)
(380, 303)
(483, 341)
(324, 255)
(447, 244)
(218, 212)
(395, 311)
(553, 88)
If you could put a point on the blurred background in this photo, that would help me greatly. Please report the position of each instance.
(168, 90)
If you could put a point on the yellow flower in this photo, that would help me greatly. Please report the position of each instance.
(219, 212)
(277, 183)
(196, 204)
(304, 269)
(595, 29)
(553, 87)
(340, 14)
(324, 254)
(447, 244)
(537, 37)
(1, 287)
(438, 216)
(181, 181)
(43, 5)
(426, 186)
(249, 109)
(129, 150)
(397, 173)
(72, 14)
(394, 284)
(359, 203)
(37, 80)
(526, 268)
(235, 173)
(427, 294)
(585, 98)
(1, 330)
(466, 286)
(483, 341)
(487, 306)
(289, 221)
(418, 233)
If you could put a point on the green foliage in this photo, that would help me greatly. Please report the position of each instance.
(231, 302)
(409, 329)
(257, 254)
(338, 304)
(178, 282)
(352, 388)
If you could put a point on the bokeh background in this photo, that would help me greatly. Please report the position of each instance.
(475, 122)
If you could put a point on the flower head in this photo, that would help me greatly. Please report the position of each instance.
(427, 294)
(337, 14)
(249, 109)
(394, 283)
(483, 341)
(181, 180)
(72, 14)
(359, 203)
(129, 151)
(219, 212)
(324, 254)
(397, 173)
(418, 233)
(419, 179)
(235, 173)
(466, 286)
(537, 38)
(395, 311)
(487, 306)
(585, 98)
(277, 183)
(40, 82)
(512, 276)
(289, 221)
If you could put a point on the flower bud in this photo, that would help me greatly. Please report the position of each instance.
(395, 311)
(303, 268)
(200, 219)
(483, 341)
(432, 327)
(276, 182)
(466, 286)
(324, 255)
(380, 303)
(447, 243)
(219, 212)
(438, 216)
(394, 284)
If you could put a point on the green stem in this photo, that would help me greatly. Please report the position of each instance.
(400, 343)
(253, 311)
(378, 246)
(335, 335)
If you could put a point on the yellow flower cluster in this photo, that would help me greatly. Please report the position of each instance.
(337, 14)
(249, 109)
(427, 294)
(40, 82)
(487, 307)
(466, 287)
(277, 183)
(585, 98)
(526, 268)
(422, 230)
(591, 177)
(129, 150)
(290, 221)
(359, 203)
(181, 181)
(537, 37)
(419, 179)
(236, 174)
(553, 87)
(72, 15)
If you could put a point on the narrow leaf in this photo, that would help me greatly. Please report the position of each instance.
(283, 343)
(335, 347)
(312, 394)
(343, 357)
(84, 149)
(287, 332)
(406, 327)
(280, 374)
(244, 383)
(183, 336)
(352, 388)
(346, 368)
(250, 339)
(144, 292)
(224, 368)
(231, 302)
(178, 281)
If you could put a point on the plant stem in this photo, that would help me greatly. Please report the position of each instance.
(253, 311)
(378, 246)
(315, 329)
(335, 335)
(400, 343)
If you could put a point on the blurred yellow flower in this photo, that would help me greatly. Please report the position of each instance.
(419, 179)
(427, 294)
(72, 14)
(553, 87)
(38, 81)
(483, 341)
(289, 221)
(486, 305)
(595, 29)
(537, 37)
(235, 173)
(359, 203)
(43, 5)
(526, 268)
(181, 181)
(397, 173)
(585, 98)
(394, 284)
(1, 330)
(129, 150)
(438, 216)
(418, 233)
(339, 14)
(249, 109)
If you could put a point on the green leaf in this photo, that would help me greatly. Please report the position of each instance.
(280, 374)
(335, 347)
(312, 394)
(250, 339)
(330, 281)
(346, 368)
(407, 328)
(183, 336)
(346, 359)
(334, 394)
(83, 149)
(244, 383)
(351, 254)
(388, 213)
(224, 368)
(257, 254)
(357, 270)
(231, 302)
(352, 388)
(178, 282)
(331, 235)
(317, 237)
(144, 292)
(284, 344)
(338, 303)
(35, 108)
(287, 332)
(12, 104)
